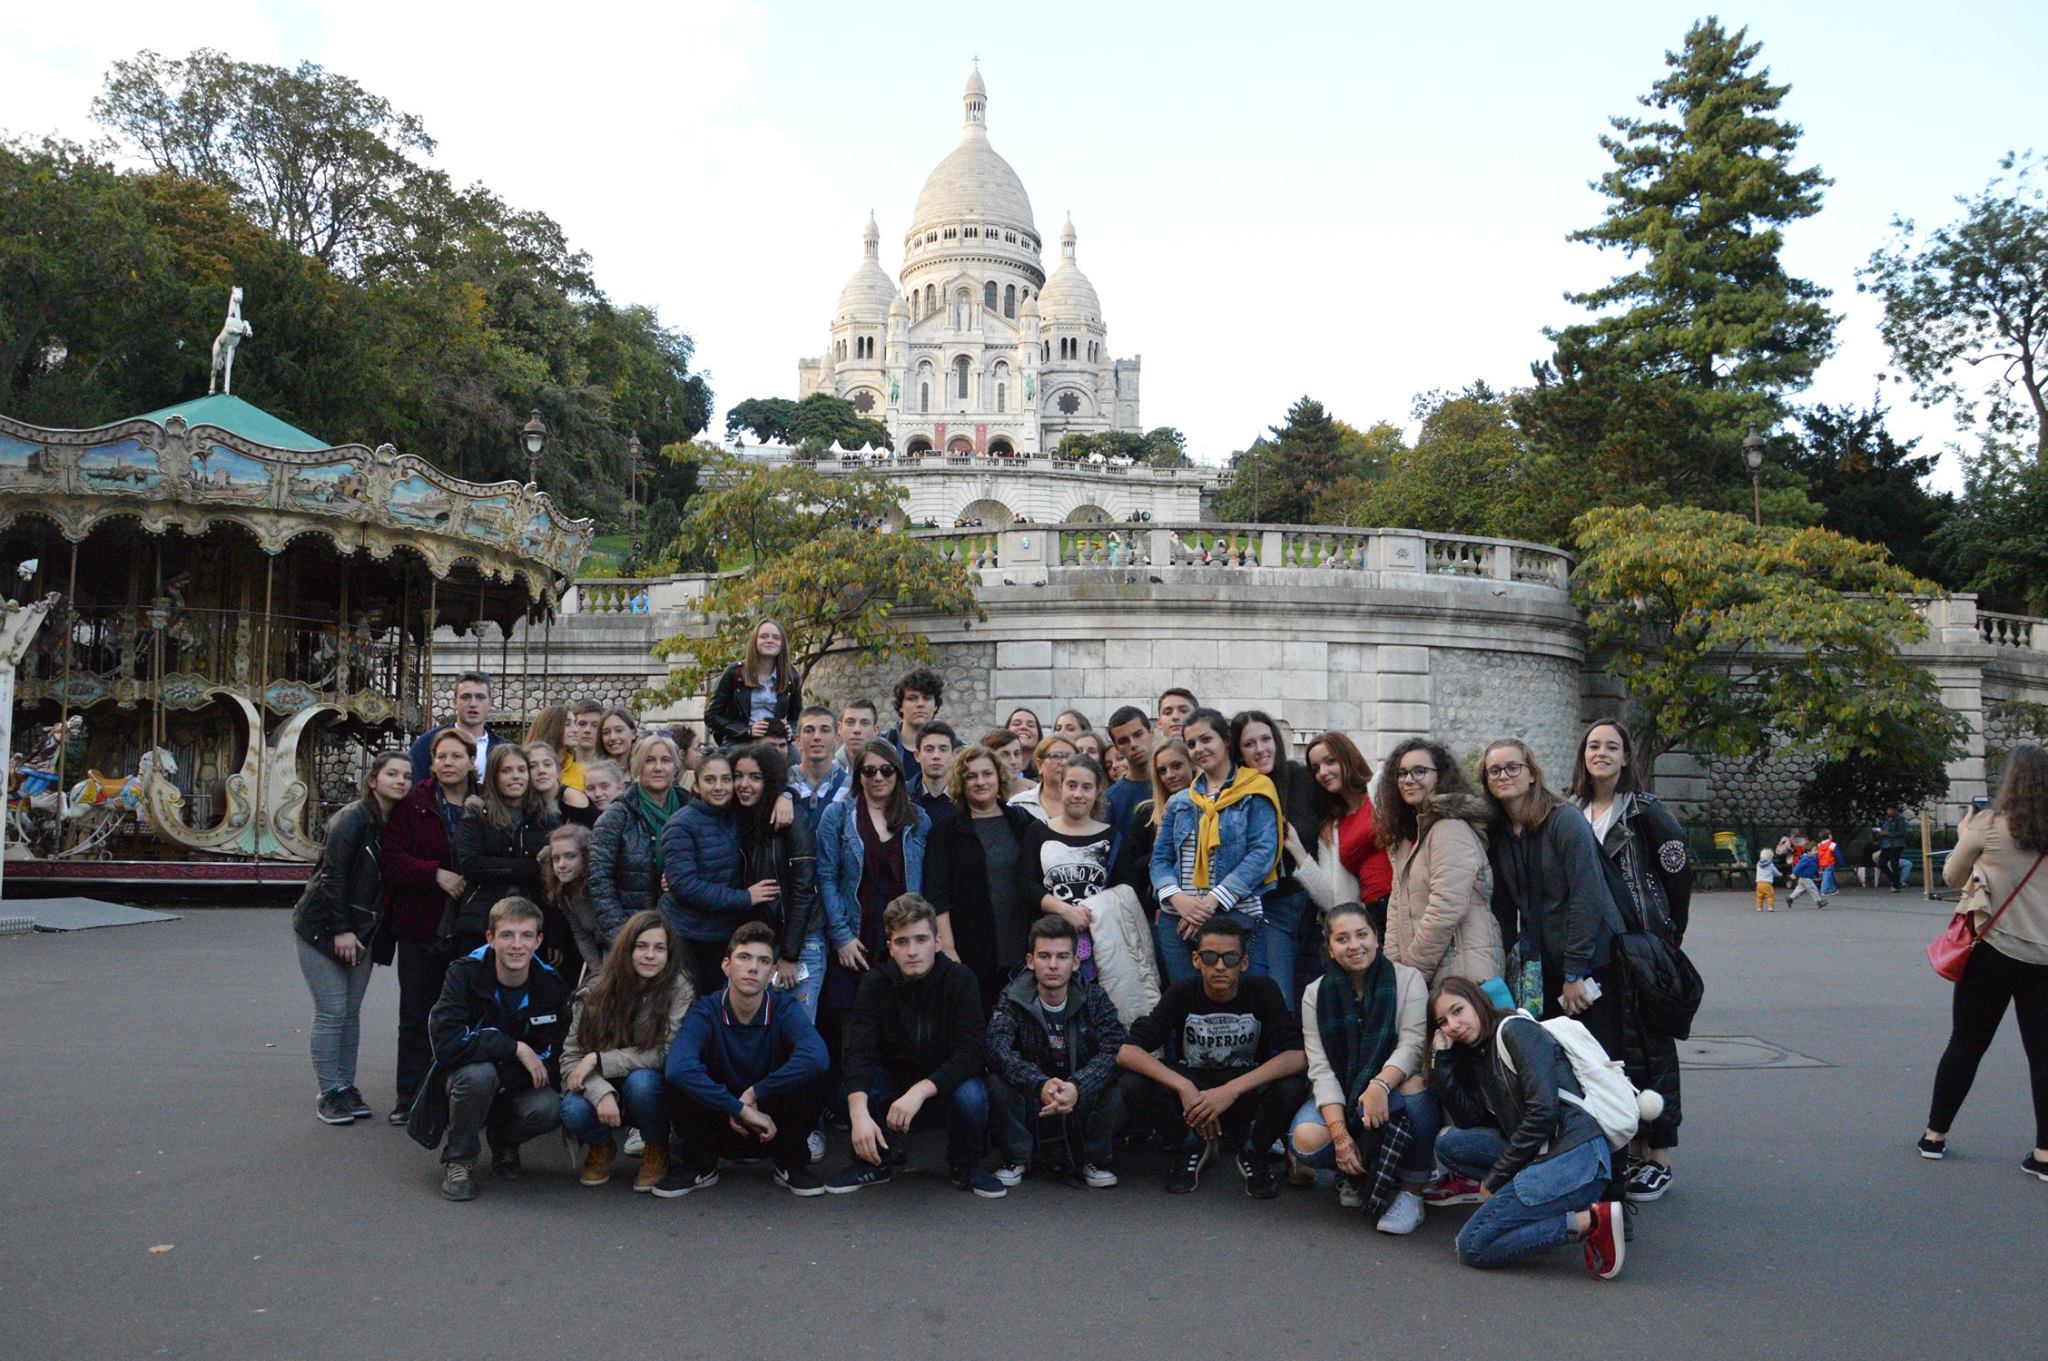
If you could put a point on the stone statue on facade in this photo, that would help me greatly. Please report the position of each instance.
(233, 333)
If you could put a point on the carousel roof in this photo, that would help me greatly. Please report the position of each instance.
(219, 460)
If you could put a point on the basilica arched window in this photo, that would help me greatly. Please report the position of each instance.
(960, 369)
(924, 398)
(931, 299)
(1009, 300)
(1002, 398)
(1045, 351)
(988, 295)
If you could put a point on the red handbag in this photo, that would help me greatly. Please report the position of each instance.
(1949, 952)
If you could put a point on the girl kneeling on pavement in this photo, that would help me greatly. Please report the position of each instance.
(1545, 1164)
(617, 1046)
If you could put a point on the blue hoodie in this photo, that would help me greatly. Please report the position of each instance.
(715, 1057)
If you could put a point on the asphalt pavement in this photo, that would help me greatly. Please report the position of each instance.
(166, 1192)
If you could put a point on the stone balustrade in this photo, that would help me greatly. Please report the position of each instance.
(2013, 630)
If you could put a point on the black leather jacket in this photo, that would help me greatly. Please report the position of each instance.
(1477, 1089)
(790, 858)
(346, 892)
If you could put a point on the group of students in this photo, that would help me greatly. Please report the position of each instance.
(1057, 940)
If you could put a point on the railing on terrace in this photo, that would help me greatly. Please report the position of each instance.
(884, 461)
(2013, 630)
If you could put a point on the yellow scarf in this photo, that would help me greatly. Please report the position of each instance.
(1245, 783)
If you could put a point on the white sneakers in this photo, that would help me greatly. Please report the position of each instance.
(1403, 1216)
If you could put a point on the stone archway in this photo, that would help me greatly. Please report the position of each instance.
(992, 513)
(1088, 513)
(918, 445)
(960, 444)
(1000, 447)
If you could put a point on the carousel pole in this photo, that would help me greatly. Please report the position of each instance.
(399, 686)
(64, 702)
(432, 621)
(18, 625)
(262, 734)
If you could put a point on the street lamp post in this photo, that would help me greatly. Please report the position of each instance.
(534, 435)
(633, 473)
(1753, 455)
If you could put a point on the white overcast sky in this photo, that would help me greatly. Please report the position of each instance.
(1358, 201)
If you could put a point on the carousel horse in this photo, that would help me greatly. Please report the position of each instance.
(232, 334)
(125, 792)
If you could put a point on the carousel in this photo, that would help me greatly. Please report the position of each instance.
(242, 614)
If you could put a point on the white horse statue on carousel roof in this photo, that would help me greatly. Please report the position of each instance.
(233, 333)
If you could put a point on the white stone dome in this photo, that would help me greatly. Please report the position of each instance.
(1067, 295)
(973, 183)
(869, 292)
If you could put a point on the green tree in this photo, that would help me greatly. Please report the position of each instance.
(1898, 770)
(1870, 486)
(1966, 310)
(1735, 641)
(819, 419)
(1281, 479)
(808, 554)
(1997, 536)
(308, 154)
(1707, 333)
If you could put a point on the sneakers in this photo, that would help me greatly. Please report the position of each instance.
(1648, 1181)
(1097, 1178)
(1257, 1171)
(1604, 1242)
(1937, 1149)
(401, 1115)
(856, 1175)
(1449, 1190)
(681, 1181)
(357, 1107)
(333, 1109)
(1350, 1195)
(597, 1164)
(653, 1167)
(799, 1181)
(1403, 1216)
(458, 1181)
(1009, 1174)
(1187, 1173)
(815, 1145)
(505, 1165)
(2035, 1167)
(635, 1146)
(975, 1180)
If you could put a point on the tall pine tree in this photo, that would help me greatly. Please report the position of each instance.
(1706, 333)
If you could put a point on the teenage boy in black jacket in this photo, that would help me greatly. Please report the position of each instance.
(913, 1057)
(1052, 1048)
(497, 1039)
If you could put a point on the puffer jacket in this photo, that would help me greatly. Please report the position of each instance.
(1439, 914)
(789, 857)
(701, 856)
(613, 1065)
(841, 857)
(1523, 1101)
(498, 862)
(345, 893)
(623, 879)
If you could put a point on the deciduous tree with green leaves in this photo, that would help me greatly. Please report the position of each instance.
(1966, 308)
(819, 419)
(808, 557)
(1738, 642)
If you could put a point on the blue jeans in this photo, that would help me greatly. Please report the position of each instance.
(640, 1105)
(1287, 955)
(337, 1033)
(964, 1114)
(1020, 1132)
(1827, 881)
(1417, 1162)
(1532, 1213)
(1176, 954)
(807, 992)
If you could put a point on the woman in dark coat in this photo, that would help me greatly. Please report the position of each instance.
(420, 882)
(1649, 875)
(786, 857)
(756, 690)
(336, 924)
(973, 872)
(497, 846)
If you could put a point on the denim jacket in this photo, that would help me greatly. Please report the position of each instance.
(840, 859)
(1249, 843)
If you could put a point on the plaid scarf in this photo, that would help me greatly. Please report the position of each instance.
(1359, 1032)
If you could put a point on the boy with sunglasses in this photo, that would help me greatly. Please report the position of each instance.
(1221, 1056)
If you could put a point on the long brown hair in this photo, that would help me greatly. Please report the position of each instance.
(496, 811)
(1470, 993)
(558, 893)
(612, 1016)
(897, 814)
(1625, 783)
(1351, 762)
(750, 669)
(370, 774)
(550, 725)
(1542, 800)
(1394, 821)
(2023, 797)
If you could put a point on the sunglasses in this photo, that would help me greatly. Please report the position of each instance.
(876, 772)
(1229, 959)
